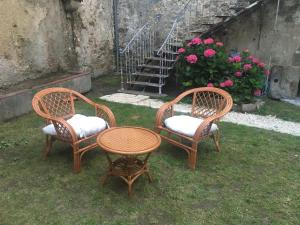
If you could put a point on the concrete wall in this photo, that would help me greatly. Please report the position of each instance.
(34, 40)
(40, 37)
(94, 37)
(279, 46)
(256, 32)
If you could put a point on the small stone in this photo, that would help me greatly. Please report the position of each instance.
(248, 107)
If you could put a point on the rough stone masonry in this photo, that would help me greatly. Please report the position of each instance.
(40, 37)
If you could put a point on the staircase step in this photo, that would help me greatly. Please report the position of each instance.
(154, 67)
(223, 16)
(145, 83)
(237, 8)
(199, 31)
(208, 24)
(176, 44)
(150, 74)
(158, 59)
(203, 19)
(202, 29)
(168, 52)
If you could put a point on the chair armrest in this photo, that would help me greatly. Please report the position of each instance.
(167, 109)
(101, 111)
(105, 113)
(203, 129)
(164, 112)
(64, 131)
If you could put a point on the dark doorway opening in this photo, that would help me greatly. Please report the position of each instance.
(298, 94)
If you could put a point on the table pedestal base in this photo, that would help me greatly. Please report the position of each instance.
(129, 168)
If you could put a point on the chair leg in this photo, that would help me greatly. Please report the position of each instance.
(76, 158)
(193, 156)
(49, 142)
(216, 137)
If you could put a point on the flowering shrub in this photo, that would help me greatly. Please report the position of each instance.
(205, 63)
(248, 74)
(201, 62)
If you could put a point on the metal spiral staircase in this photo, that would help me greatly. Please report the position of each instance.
(146, 62)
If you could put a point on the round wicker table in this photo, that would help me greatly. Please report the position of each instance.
(129, 142)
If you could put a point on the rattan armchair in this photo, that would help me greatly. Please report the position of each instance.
(209, 104)
(56, 105)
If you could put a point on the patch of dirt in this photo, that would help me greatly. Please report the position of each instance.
(105, 85)
(135, 117)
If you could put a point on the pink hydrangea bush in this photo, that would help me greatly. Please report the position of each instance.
(192, 59)
(181, 50)
(249, 77)
(209, 53)
(206, 63)
(201, 63)
(208, 41)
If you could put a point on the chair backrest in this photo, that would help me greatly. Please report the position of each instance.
(210, 101)
(54, 102)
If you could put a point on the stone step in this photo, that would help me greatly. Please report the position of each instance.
(198, 31)
(167, 52)
(154, 67)
(150, 75)
(158, 59)
(223, 16)
(145, 83)
(237, 8)
(201, 29)
(208, 24)
(175, 44)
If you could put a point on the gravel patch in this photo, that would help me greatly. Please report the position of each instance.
(246, 119)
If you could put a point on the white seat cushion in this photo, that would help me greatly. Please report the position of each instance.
(186, 125)
(83, 126)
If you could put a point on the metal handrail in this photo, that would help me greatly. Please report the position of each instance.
(134, 37)
(167, 38)
(141, 48)
(174, 26)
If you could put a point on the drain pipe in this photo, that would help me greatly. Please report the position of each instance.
(116, 32)
(270, 58)
(277, 12)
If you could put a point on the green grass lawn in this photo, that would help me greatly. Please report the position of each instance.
(254, 180)
(283, 110)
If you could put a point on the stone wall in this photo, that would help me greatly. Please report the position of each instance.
(34, 40)
(40, 37)
(94, 38)
(278, 46)
(135, 13)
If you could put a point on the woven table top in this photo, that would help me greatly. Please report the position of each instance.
(128, 140)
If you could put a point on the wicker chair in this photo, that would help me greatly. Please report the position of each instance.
(208, 104)
(56, 105)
